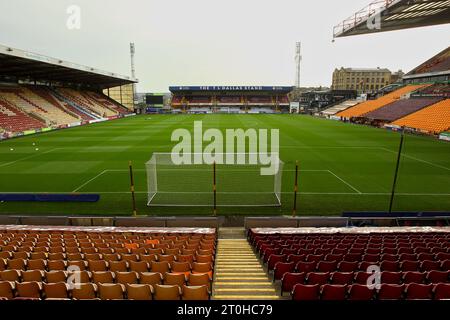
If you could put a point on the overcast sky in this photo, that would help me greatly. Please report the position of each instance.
(212, 42)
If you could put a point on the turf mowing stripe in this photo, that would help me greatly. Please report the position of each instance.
(283, 192)
(420, 160)
(27, 157)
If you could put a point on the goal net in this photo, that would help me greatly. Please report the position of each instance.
(237, 185)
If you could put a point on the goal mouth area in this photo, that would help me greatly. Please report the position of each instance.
(211, 185)
(224, 199)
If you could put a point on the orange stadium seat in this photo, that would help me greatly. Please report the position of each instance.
(195, 293)
(139, 291)
(432, 119)
(370, 105)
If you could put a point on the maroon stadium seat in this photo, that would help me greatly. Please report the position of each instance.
(333, 292)
(306, 292)
(289, 280)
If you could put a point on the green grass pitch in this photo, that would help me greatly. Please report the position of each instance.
(343, 167)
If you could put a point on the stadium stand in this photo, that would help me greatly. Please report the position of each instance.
(439, 62)
(339, 107)
(13, 119)
(84, 100)
(315, 264)
(400, 108)
(436, 90)
(229, 100)
(40, 93)
(91, 263)
(239, 99)
(31, 107)
(433, 119)
(365, 107)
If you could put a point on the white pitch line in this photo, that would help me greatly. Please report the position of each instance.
(90, 180)
(348, 184)
(417, 159)
(27, 157)
(226, 170)
(283, 192)
(329, 147)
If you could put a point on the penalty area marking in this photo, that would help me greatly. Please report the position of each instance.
(121, 170)
(90, 180)
(345, 182)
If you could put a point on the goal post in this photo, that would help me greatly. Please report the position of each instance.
(238, 184)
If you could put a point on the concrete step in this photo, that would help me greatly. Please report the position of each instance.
(238, 273)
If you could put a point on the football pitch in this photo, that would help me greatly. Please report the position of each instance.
(342, 167)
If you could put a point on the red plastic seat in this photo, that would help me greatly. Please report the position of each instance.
(414, 277)
(306, 292)
(327, 266)
(429, 265)
(445, 265)
(425, 256)
(348, 266)
(341, 277)
(371, 258)
(389, 257)
(436, 276)
(281, 268)
(441, 291)
(274, 259)
(334, 257)
(333, 292)
(409, 265)
(290, 279)
(442, 256)
(361, 277)
(360, 292)
(419, 291)
(296, 258)
(317, 277)
(314, 257)
(391, 291)
(407, 257)
(389, 266)
(389, 277)
(306, 267)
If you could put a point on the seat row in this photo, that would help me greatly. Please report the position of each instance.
(271, 257)
(350, 238)
(102, 265)
(339, 249)
(148, 244)
(185, 255)
(103, 291)
(350, 242)
(130, 277)
(351, 266)
(51, 254)
(100, 239)
(290, 279)
(411, 291)
(71, 234)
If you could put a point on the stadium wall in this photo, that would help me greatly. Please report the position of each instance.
(357, 219)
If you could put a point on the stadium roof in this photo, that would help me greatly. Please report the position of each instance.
(388, 15)
(18, 65)
(230, 89)
(439, 65)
